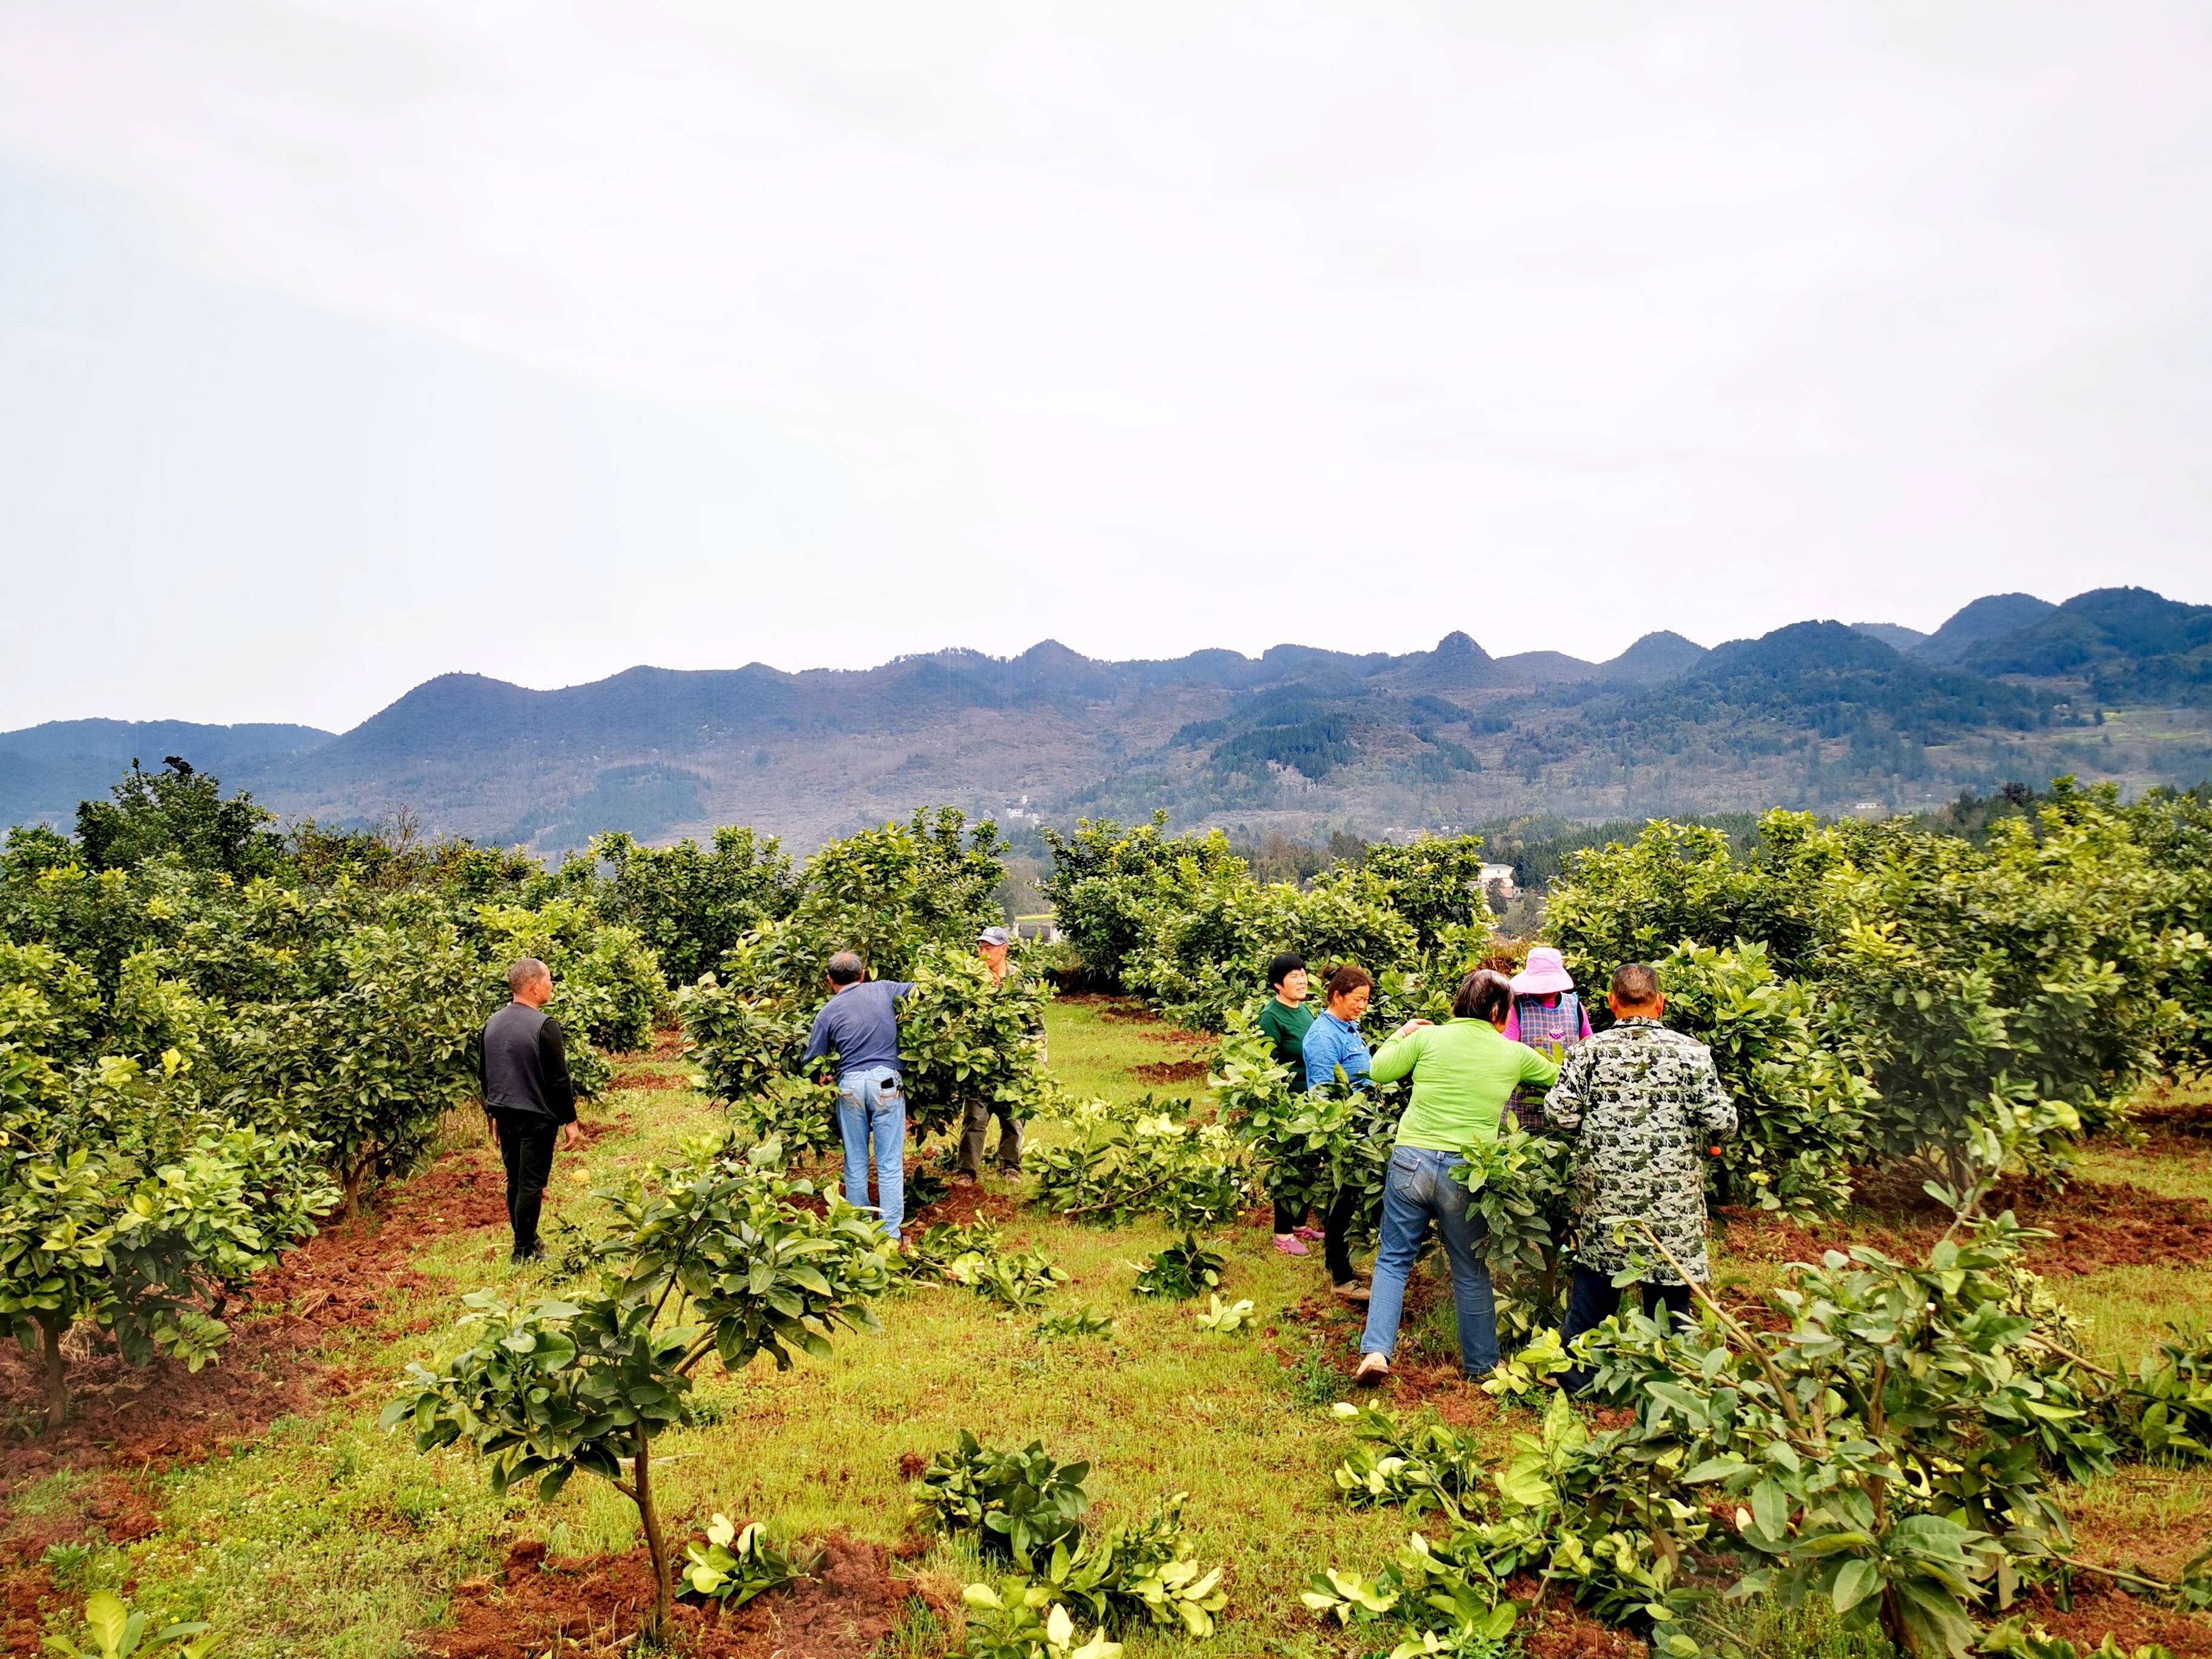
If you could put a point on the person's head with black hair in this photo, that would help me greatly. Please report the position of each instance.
(1486, 993)
(1636, 994)
(846, 968)
(1287, 977)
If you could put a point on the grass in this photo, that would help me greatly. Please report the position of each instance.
(327, 1538)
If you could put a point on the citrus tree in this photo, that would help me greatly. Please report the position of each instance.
(127, 1206)
(714, 1259)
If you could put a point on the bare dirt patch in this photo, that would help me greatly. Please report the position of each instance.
(1170, 1071)
(109, 1508)
(2133, 1623)
(650, 1075)
(2093, 1224)
(967, 1202)
(2172, 1124)
(1560, 1630)
(844, 1612)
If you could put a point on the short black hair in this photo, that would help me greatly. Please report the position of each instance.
(1283, 966)
(1635, 984)
(1486, 993)
(847, 969)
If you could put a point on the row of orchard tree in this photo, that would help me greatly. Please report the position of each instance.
(212, 1033)
(1868, 988)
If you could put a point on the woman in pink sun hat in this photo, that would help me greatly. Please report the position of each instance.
(1546, 1015)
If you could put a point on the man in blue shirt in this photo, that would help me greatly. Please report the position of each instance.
(860, 1023)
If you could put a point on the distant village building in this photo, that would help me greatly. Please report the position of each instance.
(1499, 878)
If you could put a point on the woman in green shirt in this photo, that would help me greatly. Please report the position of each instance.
(1284, 1021)
(1464, 1073)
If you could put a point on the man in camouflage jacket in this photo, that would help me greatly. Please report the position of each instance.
(1645, 1104)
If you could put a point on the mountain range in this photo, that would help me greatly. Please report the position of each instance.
(2113, 684)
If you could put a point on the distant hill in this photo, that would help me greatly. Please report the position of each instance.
(1985, 619)
(1300, 738)
(45, 770)
(1897, 639)
(2118, 644)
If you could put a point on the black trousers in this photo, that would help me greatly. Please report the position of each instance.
(525, 1146)
(1335, 1249)
(1592, 1299)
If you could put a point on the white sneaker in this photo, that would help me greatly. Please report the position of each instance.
(1373, 1369)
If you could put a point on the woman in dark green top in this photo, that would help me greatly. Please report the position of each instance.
(1286, 1019)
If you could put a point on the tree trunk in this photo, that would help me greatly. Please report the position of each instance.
(355, 1178)
(56, 1375)
(1892, 1620)
(649, 1515)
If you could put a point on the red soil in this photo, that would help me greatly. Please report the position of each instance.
(845, 1612)
(1170, 1071)
(2094, 1225)
(2134, 1623)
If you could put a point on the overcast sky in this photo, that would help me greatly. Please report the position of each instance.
(345, 344)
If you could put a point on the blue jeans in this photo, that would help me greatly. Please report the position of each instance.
(872, 1102)
(1421, 1190)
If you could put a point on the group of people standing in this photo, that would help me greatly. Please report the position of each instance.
(1643, 1101)
(531, 1102)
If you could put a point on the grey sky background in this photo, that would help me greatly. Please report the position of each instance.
(343, 345)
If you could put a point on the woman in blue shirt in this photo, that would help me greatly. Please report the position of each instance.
(1334, 1039)
(1331, 1042)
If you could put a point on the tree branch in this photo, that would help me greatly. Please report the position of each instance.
(1728, 1320)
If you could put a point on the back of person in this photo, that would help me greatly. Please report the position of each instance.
(1553, 1021)
(1464, 1073)
(861, 1023)
(1644, 1103)
(1548, 1015)
(514, 1069)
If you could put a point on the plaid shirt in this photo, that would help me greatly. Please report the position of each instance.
(1552, 1029)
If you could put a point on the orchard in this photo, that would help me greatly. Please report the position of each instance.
(279, 1391)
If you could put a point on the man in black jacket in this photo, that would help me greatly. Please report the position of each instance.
(528, 1096)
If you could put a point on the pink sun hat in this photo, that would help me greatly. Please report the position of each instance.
(1546, 972)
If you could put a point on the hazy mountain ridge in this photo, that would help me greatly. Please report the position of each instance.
(1819, 713)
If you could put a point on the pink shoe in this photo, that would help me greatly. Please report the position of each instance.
(1291, 1244)
(1312, 1235)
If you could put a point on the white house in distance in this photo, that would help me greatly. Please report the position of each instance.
(1499, 878)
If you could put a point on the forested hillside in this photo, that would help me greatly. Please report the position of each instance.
(2113, 685)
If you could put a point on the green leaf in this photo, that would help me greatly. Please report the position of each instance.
(1716, 1469)
(1859, 1579)
(1770, 1508)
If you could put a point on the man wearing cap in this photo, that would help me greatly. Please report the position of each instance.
(995, 946)
(1549, 1017)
